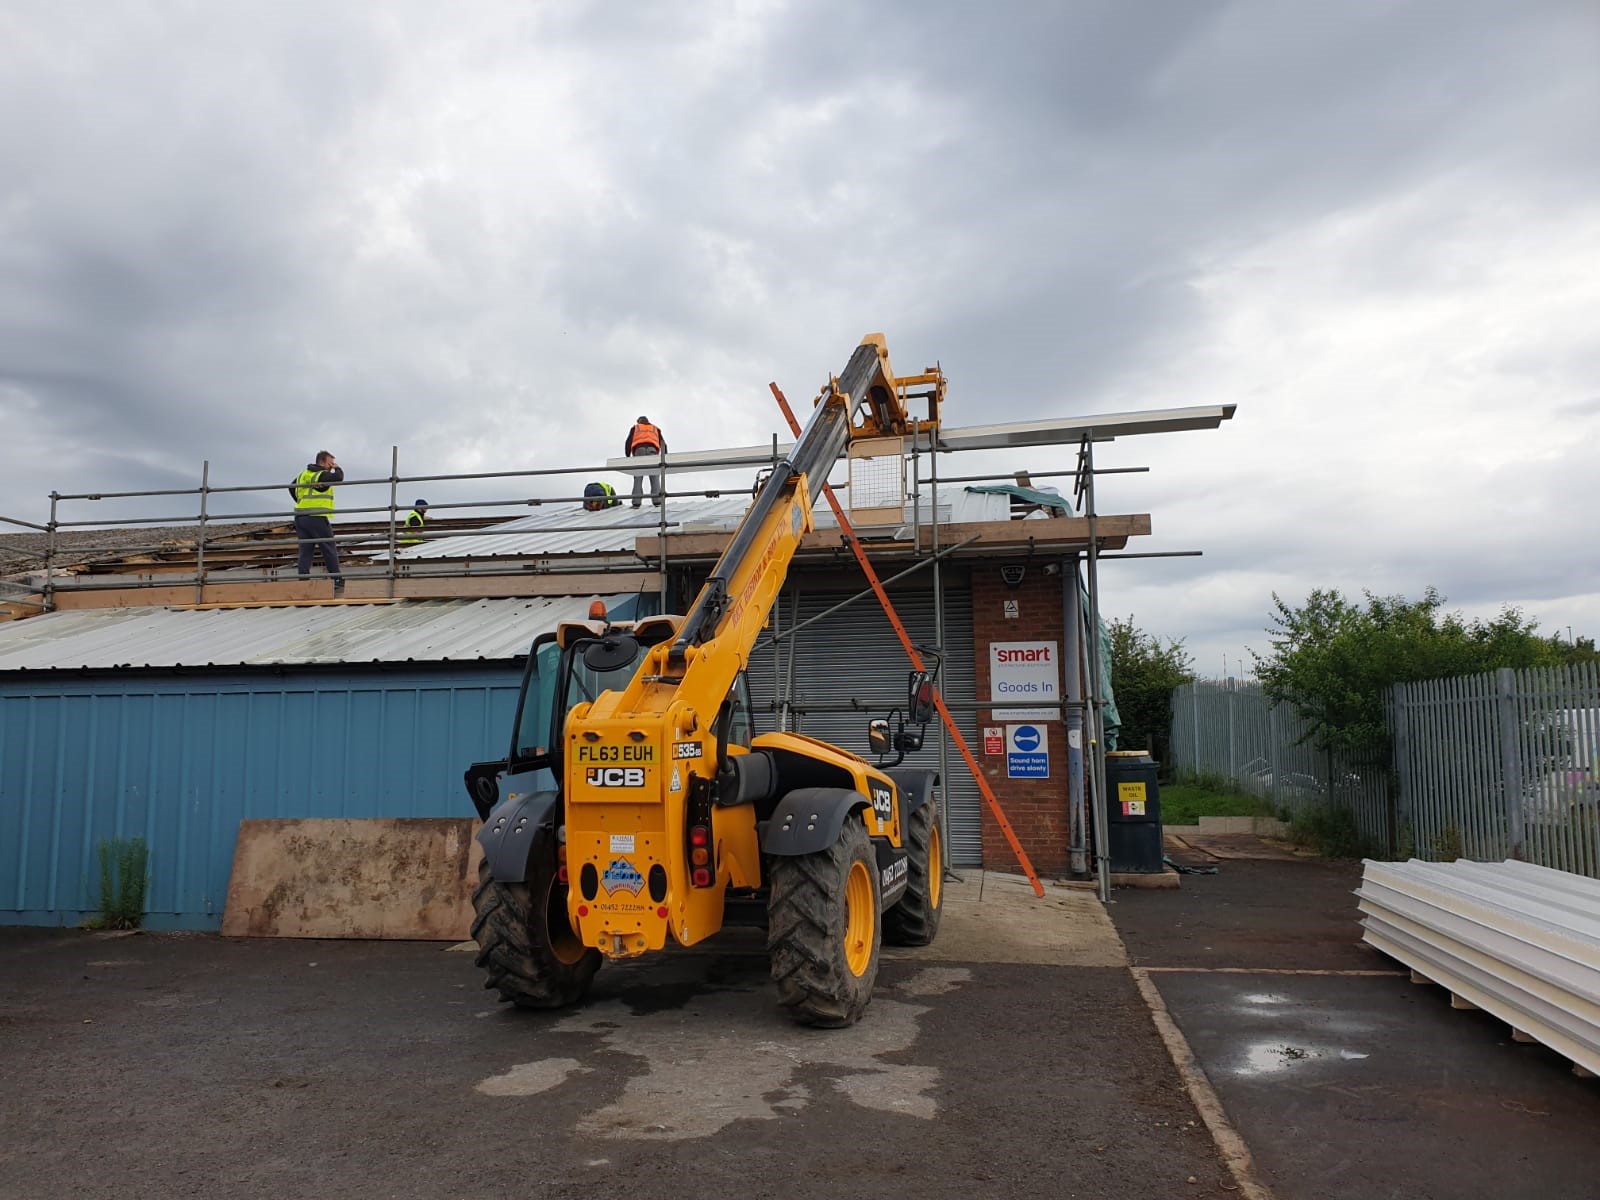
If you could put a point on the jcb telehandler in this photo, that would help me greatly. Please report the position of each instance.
(636, 805)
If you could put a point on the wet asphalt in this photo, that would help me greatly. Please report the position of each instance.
(1353, 1085)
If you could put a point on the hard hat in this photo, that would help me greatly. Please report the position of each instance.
(642, 421)
(419, 504)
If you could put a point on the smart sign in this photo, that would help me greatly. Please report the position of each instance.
(1025, 671)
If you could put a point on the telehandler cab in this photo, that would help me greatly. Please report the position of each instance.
(636, 803)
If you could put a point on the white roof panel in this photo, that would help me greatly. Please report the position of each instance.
(408, 631)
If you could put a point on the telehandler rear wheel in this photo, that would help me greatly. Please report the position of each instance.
(915, 919)
(525, 941)
(823, 929)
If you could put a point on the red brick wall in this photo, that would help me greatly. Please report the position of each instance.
(1036, 808)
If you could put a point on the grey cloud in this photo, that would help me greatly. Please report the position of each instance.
(237, 235)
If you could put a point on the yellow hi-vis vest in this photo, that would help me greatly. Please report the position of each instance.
(308, 499)
(414, 520)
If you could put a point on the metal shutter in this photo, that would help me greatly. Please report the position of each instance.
(854, 655)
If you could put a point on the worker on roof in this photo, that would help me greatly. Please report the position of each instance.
(645, 439)
(312, 490)
(415, 519)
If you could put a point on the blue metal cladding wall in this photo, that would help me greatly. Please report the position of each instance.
(180, 760)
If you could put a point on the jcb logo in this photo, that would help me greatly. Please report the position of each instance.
(614, 777)
(882, 802)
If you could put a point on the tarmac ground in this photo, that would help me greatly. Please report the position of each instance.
(1343, 1077)
(1016, 1056)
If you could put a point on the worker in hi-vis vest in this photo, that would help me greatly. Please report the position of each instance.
(313, 506)
(415, 519)
(645, 439)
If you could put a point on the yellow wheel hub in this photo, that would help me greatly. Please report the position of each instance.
(861, 923)
(935, 867)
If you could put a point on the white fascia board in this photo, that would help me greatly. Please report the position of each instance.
(1064, 431)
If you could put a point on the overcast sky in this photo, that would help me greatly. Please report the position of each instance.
(493, 233)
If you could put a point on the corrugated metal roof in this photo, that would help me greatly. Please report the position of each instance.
(409, 631)
(567, 529)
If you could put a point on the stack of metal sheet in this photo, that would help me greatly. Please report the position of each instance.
(1519, 941)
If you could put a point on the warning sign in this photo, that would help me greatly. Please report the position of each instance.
(1027, 753)
(1132, 798)
(994, 738)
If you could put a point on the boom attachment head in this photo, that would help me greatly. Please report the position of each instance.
(883, 410)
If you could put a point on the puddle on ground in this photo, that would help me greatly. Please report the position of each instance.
(1272, 1058)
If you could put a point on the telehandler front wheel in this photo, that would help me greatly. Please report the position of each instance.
(914, 920)
(526, 943)
(824, 929)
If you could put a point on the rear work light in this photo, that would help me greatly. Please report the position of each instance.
(700, 855)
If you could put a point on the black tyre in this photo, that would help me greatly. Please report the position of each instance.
(914, 920)
(823, 929)
(526, 943)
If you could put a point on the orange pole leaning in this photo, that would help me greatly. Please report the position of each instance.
(916, 660)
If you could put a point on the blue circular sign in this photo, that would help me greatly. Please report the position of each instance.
(1026, 738)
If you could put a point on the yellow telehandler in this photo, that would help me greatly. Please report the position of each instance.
(636, 803)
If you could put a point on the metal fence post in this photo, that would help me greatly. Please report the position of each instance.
(1273, 737)
(200, 550)
(1194, 720)
(1233, 751)
(394, 510)
(49, 589)
(1510, 760)
(1400, 741)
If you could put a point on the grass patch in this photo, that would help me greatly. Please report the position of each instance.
(1185, 803)
(124, 880)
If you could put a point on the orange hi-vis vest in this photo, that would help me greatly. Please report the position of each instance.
(645, 434)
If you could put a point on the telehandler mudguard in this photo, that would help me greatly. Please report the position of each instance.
(528, 801)
(809, 819)
(916, 786)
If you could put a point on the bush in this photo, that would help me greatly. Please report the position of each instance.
(1332, 833)
(124, 879)
(1448, 845)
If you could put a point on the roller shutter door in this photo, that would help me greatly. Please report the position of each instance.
(854, 655)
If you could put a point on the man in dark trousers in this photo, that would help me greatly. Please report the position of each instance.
(313, 506)
(645, 439)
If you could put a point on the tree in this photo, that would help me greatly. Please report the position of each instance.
(1576, 652)
(1336, 660)
(1144, 672)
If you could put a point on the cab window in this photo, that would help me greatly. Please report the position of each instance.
(741, 726)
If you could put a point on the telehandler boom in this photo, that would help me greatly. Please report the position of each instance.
(635, 804)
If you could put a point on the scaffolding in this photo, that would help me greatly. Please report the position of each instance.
(247, 558)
